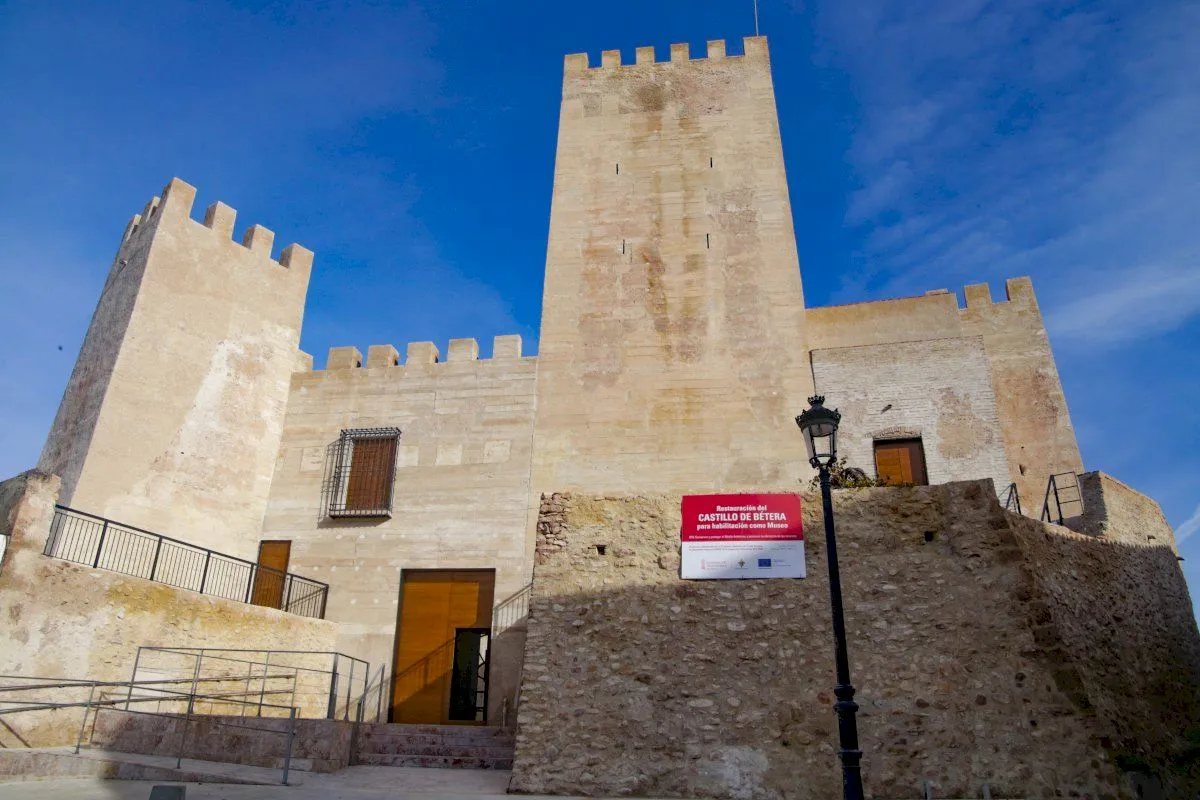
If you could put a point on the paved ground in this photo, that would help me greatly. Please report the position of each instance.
(355, 783)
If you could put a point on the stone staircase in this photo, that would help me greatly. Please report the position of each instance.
(441, 746)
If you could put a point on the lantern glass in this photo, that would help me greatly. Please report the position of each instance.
(819, 425)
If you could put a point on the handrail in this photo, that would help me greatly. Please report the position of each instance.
(1053, 490)
(192, 697)
(335, 685)
(1012, 499)
(164, 559)
(165, 538)
(511, 610)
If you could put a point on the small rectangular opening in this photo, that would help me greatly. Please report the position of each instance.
(901, 462)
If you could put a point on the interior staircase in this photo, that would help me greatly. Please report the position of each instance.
(442, 746)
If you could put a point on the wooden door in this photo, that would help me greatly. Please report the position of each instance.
(434, 604)
(269, 579)
(901, 461)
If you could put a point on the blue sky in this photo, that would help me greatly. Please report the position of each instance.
(411, 146)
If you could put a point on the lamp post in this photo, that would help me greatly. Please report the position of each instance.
(819, 425)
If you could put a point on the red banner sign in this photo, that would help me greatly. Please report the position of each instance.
(742, 536)
(735, 517)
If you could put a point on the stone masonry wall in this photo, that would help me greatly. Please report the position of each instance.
(672, 338)
(1118, 602)
(939, 390)
(1035, 425)
(972, 666)
(64, 620)
(172, 417)
(461, 494)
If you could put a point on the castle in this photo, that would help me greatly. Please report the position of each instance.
(675, 349)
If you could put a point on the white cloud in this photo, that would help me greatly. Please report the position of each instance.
(1189, 526)
(1139, 303)
(1027, 138)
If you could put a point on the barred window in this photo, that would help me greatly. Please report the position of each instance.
(360, 473)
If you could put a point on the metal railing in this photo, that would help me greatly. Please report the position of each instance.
(1011, 499)
(512, 610)
(184, 695)
(104, 544)
(321, 684)
(1059, 493)
(370, 706)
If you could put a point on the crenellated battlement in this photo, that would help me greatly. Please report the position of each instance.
(177, 200)
(504, 348)
(1018, 291)
(576, 63)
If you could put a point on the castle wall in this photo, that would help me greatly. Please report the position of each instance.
(64, 620)
(171, 420)
(1035, 425)
(1030, 403)
(1115, 604)
(939, 390)
(462, 478)
(986, 648)
(672, 347)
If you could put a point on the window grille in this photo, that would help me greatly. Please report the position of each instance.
(361, 472)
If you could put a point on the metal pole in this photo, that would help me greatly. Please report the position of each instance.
(349, 689)
(333, 680)
(154, 564)
(83, 725)
(287, 759)
(379, 697)
(262, 689)
(133, 677)
(187, 720)
(204, 574)
(100, 547)
(846, 708)
(1057, 502)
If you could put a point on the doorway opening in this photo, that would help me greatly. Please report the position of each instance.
(441, 654)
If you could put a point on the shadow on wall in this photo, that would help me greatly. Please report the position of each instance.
(988, 649)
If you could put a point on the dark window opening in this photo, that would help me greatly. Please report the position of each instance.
(901, 462)
(361, 473)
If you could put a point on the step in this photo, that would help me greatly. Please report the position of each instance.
(455, 731)
(397, 747)
(419, 743)
(432, 762)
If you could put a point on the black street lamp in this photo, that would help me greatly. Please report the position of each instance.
(820, 425)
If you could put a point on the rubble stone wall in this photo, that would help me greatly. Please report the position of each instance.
(971, 654)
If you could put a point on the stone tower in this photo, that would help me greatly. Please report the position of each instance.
(672, 351)
(172, 417)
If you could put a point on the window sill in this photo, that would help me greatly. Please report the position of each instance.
(366, 513)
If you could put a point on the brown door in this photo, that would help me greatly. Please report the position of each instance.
(901, 461)
(372, 470)
(434, 605)
(271, 573)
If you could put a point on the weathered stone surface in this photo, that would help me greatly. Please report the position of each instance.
(460, 499)
(976, 660)
(172, 417)
(673, 340)
(65, 620)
